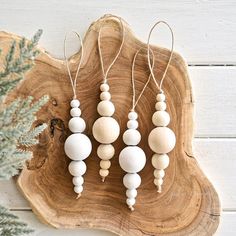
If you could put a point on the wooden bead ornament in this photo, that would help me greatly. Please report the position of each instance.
(132, 158)
(161, 139)
(77, 146)
(106, 129)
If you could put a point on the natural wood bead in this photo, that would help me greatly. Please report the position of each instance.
(132, 124)
(106, 130)
(133, 115)
(78, 189)
(160, 161)
(104, 87)
(105, 151)
(161, 140)
(74, 112)
(105, 164)
(158, 182)
(75, 103)
(160, 106)
(161, 118)
(77, 168)
(78, 180)
(160, 97)
(105, 96)
(131, 137)
(77, 125)
(131, 193)
(130, 201)
(132, 181)
(105, 108)
(159, 173)
(103, 173)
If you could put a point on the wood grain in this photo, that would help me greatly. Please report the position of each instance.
(188, 205)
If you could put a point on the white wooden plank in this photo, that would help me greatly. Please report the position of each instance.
(215, 156)
(205, 31)
(227, 226)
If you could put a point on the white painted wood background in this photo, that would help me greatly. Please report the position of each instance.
(205, 33)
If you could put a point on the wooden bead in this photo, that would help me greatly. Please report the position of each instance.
(106, 130)
(78, 180)
(159, 173)
(160, 106)
(132, 159)
(104, 87)
(132, 124)
(161, 140)
(77, 125)
(105, 108)
(105, 164)
(105, 96)
(75, 103)
(133, 115)
(160, 97)
(130, 201)
(105, 151)
(74, 112)
(158, 182)
(103, 173)
(131, 137)
(160, 161)
(131, 193)
(132, 181)
(78, 146)
(77, 168)
(161, 118)
(78, 189)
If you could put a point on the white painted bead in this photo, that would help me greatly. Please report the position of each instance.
(131, 137)
(132, 159)
(77, 168)
(104, 87)
(132, 124)
(160, 97)
(105, 151)
(105, 164)
(131, 193)
(78, 189)
(78, 180)
(160, 106)
(161, 140)
(78, 146)
(160, 161)
(159, 173)
(77, 125)
(106, 130)
(161, 118)
(105, 108)
(75, 103)
(105, 96)
(74, 112)
(103, 172)
(133, 115)
(132, 181)
(130, 201)
(158, 182)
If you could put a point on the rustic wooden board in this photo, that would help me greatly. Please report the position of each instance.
(188, 205)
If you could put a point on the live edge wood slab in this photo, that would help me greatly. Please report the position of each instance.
(188, 205)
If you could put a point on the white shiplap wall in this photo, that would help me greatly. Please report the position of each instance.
(205, 33)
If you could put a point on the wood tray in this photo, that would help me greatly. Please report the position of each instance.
(188, 205)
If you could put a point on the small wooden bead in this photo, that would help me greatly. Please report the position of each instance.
(103, 172)
(105, 108)
(78, 180)
(131, 193)
(161, 140)
(77, 125)
(75, 103)
(77, 168)
(105, 151)
(104, 87)
(160, 106)
(74, 112)
(105, 164)
(159, 173)
(105, 96)
(161, 118)
(133, 115)
(132, 124)
(131, 137)
(78, 189)
(160, 97)
(132, 181)
(130, 201)
(158, 182)
(160, 161)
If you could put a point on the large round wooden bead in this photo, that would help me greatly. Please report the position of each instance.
(131, 137)
(131, 193)
(132, 181)
(78, 146)
(160, 161)
(132, 159)
(161, 140)
(75, 112)
(105, 108)
(161, 118)
(106, 151)
(77, 168)
(106, 130)
(77, 125)
(75, 103)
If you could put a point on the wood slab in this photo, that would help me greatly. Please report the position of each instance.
(188, 205)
